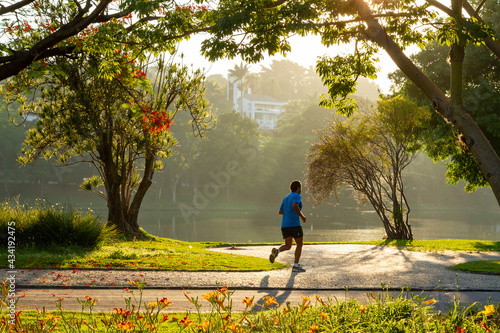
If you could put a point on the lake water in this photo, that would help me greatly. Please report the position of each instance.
(342, 225)
(470, 217)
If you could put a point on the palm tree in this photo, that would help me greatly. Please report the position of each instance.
(239, 72)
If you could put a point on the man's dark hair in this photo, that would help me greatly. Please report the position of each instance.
(295, 185)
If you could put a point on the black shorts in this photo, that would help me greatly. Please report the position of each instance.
(295, 232)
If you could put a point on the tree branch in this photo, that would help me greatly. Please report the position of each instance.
(11, 8)
(105, 18)
(143, 20)
(377, 34)
(456, 58)
(274, 4)
(493, 45)
(77, 24)
(441, 7)
(390, 14)
(480, 6)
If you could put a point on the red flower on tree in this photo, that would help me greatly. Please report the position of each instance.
(155, 121)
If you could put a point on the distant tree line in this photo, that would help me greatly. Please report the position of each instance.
(268, 160)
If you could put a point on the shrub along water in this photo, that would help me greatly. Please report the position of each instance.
(47, 225)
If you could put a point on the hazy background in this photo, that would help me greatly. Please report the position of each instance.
(305, 51)
(188, 202)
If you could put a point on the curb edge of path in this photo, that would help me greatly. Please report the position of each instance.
(347, 289)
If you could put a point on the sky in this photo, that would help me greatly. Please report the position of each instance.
(305, 51)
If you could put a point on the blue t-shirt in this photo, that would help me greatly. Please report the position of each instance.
(290, 218)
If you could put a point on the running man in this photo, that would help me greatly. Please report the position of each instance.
(290, 225)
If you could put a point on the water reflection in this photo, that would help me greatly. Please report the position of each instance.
(344, 225)
(467, 224)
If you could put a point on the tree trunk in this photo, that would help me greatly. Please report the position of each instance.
(399, 228)
(117, 217)
(118, 212)
(174, 188)
(473, 137)
(194, 184)
(132, 215)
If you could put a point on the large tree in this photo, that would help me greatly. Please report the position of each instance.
(119, 125)
(370, 153)
(264, 26)
(482, 96)
(36, 30)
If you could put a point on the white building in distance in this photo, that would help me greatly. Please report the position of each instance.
(264, 109)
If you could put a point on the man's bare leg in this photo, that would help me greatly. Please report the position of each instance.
(288, 244)
(285, 247)
(298, 249)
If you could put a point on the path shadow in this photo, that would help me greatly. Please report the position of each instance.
(490, 246)
(281, 295)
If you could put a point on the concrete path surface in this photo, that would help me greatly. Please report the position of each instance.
(340, 271)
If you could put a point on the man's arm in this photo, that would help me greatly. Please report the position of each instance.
(296, 209)
(280, 212)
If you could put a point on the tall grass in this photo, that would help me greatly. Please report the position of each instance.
(45, 225)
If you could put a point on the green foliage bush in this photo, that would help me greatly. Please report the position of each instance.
(47, 225)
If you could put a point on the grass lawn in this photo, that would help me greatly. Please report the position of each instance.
(157, 253)
(169, 254)
(480, 266)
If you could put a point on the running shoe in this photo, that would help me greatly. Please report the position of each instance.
(274, 254)
(298, 269)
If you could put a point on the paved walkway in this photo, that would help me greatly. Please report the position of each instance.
(109, 299)
(328, 267)
(331, 269)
